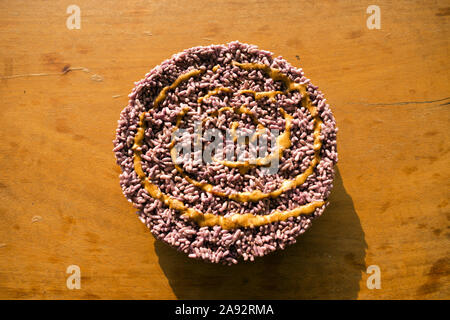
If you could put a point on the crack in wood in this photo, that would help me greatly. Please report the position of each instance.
(66, 70)
(405, 102)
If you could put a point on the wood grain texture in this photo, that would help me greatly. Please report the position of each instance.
(389, 90)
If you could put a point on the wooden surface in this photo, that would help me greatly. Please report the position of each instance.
(389, 90)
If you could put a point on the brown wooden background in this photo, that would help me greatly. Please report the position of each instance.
(389, 90)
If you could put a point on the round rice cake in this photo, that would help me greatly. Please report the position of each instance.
(250, 198)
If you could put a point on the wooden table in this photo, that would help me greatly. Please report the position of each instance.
(61, 92)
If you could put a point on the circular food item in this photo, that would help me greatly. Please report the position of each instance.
(256, 198)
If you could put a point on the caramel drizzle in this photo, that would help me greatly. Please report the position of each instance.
(213, 92)
(263, 94)
(215, 68)
(235, 220)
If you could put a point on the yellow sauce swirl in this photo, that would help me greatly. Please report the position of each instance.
(234, 220)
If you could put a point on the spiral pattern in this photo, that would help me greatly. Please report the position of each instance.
(223, 210)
